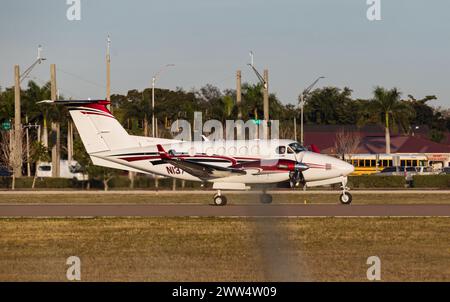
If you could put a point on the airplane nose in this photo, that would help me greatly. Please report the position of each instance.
(347, 168)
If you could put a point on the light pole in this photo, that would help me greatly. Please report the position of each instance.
(302, 104)
(17, 146)
(153, 95)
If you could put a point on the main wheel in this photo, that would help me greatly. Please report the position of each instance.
(266, 198)
(345, 198)
(220, 200)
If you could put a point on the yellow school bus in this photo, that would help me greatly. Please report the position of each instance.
(366, 164)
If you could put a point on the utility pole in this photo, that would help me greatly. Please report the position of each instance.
(302, 106)
(55, 126)
(266, 103)
(17, 154)
(238, 93)
(27, 134)
(108, 72)
(153, 105)
(265, 82)
(69, 141)
(238, 103)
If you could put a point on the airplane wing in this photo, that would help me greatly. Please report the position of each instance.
(200, 170)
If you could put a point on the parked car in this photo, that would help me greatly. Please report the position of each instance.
(397, 170)
(426, 171)
(445, 171)
(408, 172)
(4, 171)
(67, 170)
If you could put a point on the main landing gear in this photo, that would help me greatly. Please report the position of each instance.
(219, 199)
(345, 197)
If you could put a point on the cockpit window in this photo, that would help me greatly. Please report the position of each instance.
(297, 147)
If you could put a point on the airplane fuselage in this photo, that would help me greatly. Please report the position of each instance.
(271, 158)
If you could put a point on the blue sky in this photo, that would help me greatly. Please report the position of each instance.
(208, 40)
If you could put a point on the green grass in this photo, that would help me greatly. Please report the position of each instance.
(225, 249)
(233, 198)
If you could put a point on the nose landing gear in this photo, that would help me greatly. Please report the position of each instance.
(345, 197)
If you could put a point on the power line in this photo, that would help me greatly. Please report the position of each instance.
(81, 78)
(64, 90)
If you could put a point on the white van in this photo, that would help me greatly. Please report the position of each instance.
(68, 169)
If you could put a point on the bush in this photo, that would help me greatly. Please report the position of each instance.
(372, 181)
(118, 182)
(431, 181)
(41, 183)
(144, 182)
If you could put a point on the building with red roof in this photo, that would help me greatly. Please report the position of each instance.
(372, 141)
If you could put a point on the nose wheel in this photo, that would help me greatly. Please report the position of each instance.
(346, 198)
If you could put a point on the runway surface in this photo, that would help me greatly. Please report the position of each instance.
(200, 210)
(211, 192)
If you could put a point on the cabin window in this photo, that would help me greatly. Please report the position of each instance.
(281, 150)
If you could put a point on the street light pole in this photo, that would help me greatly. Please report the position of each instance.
(17, 146)
(153, 95)
(302, 105)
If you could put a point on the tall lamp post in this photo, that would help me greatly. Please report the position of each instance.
(154, 78)
(17, 146)
(302, 105)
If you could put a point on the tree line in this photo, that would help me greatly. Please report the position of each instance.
(323, 106)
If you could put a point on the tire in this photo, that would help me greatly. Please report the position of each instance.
(266, 198)
(220, 200)
(346, 198)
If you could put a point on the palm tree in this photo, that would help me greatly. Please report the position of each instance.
(387, 106)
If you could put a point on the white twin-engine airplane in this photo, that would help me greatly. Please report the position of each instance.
(228, 164)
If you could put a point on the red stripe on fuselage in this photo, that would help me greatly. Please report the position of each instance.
(101, 105)
(96, 113)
